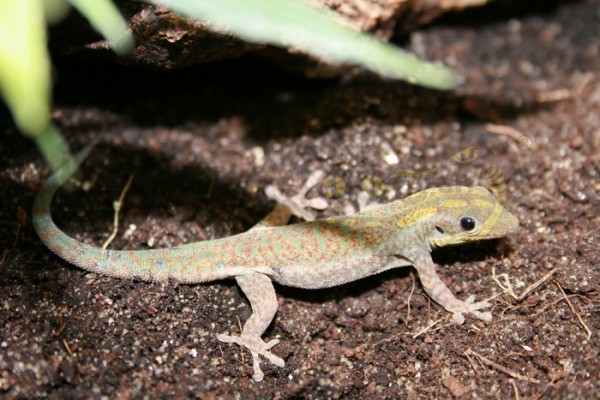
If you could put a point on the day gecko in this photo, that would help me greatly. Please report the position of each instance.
(311, 255)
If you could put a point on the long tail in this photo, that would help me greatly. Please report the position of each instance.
(46, 229)
(148, 265)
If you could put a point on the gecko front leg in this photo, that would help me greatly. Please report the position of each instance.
(439, 292)
(259, 290)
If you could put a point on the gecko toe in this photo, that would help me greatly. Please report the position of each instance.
(484, 316)
(469, 306)
(479, 305)
(473, 309)
(227, 338)
(458, 318)
(257, 347)
(258, 375)
(276, 360)
(299, 204)
(271, 343)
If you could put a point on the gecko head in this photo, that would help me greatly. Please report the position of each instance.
(467, 214)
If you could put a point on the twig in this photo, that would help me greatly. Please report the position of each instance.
(515, 388)
(427, 328)
(585, 327)
(524, 141)
(412, 289)
(241, 347)
(21, 216)
(117, 205)
(470, 360)
(582, 82)
(507, 287)
(541, 192)
(221, 349)
(555, 302)
(61, 327)
(69, 350)
(553, 95)
(499, 367)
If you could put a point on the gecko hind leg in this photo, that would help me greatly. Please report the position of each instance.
(297, 205)
(259, 290)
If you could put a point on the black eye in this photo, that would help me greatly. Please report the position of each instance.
(467, 224)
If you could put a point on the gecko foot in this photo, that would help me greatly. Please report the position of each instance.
(257, 347)
(299, 205)
(470, 307)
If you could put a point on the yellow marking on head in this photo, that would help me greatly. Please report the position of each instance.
(492, 219)
(454, 203)
(416, 216)
(480, 203)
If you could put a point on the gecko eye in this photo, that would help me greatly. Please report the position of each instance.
(467, 224)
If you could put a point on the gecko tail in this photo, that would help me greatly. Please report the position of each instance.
(44, 226)
(145, 265)
(69, 168)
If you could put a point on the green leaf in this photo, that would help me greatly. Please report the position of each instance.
(292, 23)
(55, 10)
(25, 64)
(106, 19)
(52, 144)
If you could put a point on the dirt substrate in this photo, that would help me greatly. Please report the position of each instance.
(203, 143)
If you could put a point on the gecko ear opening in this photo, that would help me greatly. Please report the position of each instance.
(439, 229)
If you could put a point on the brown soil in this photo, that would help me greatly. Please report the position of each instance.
(203, 143)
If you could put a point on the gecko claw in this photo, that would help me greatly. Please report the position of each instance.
(469, 306)
(257, 347)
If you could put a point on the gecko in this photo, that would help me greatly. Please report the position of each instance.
(312, 255)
